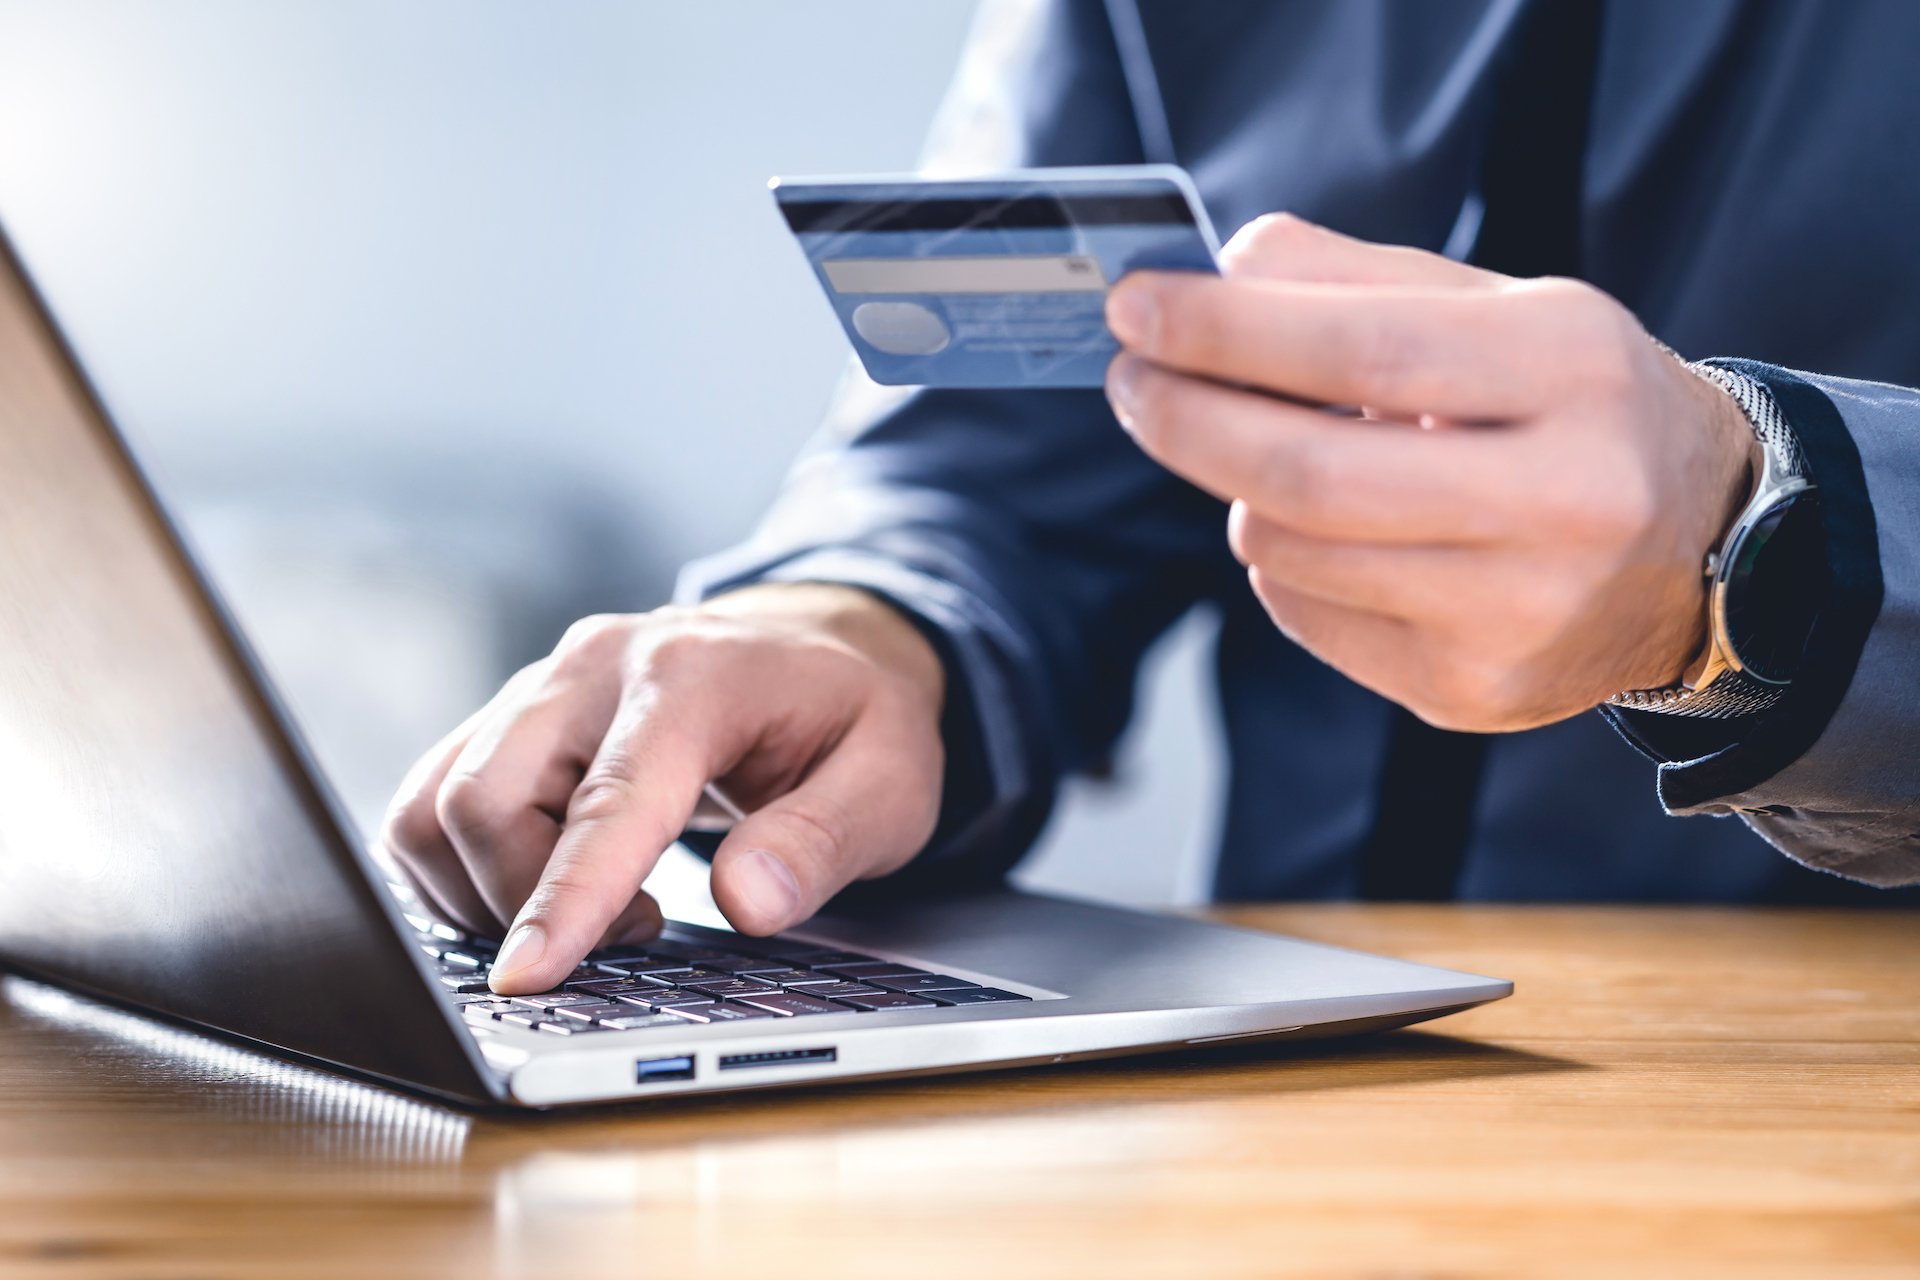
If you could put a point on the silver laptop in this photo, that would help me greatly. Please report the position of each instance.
(167, 843)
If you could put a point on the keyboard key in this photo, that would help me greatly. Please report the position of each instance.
(567, 1028)
(671, 999)
(823, 957)
(660, 998)
(662, 970)
(611, 968)
(921, 982)
(636, 970)
(728, 988)
(759, 967)
(787, 977)
(790, 1004)
(470, 984)
(719, 1012)
(487, 1010)
(641, 1021)
(462, 960)
(830, 989)
(615, 988)
(524, 1017)
(870, 970)
(976, 995)
(732, 963)
(714, 940)
(594, 1012)
(888, 1000)
(686, 951)
(472, 997)
(616, 954)
(556, 999)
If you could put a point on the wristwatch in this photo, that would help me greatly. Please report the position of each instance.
(1763, 580)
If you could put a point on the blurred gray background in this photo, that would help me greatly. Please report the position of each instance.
(445, 323)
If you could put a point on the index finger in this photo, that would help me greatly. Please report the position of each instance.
(1311, 472)
(1474, 354)
(634, 801)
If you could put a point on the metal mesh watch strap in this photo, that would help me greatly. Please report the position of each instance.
(1732, 694)
(1763, 415)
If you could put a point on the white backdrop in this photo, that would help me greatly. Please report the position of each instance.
(446, 322)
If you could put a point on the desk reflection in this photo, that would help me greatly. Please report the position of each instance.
(301, 1109)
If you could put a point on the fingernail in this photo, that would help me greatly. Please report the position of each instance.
(770, 888)
(1123, 388)
(1133, 315)
(523, 949)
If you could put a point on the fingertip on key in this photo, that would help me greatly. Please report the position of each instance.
(523, 951)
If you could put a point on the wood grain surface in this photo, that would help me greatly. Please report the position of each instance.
(1670, 1093)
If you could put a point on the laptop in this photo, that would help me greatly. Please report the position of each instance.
(168, 844)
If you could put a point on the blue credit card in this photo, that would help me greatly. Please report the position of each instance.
(992, 281)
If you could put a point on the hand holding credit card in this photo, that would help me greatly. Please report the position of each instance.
(991, 281)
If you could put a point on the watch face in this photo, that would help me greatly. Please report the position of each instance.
(1774, 585)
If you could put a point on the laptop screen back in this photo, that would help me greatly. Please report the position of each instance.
(162, 841)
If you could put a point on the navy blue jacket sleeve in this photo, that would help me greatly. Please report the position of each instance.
(1023, 532)
(1831, 776)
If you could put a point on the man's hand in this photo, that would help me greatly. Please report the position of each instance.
(816, 708)
(1513, 531)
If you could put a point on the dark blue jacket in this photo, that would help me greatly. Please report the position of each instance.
(1752, 190)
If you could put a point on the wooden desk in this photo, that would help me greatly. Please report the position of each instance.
(1670, 1093)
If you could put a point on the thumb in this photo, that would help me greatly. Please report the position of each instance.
(864, 811)
(1285, 246)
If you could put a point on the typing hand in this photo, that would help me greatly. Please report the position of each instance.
(816, 708)
(1515, 530)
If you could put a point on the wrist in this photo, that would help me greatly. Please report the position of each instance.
(1732, 471)
(1762, 572)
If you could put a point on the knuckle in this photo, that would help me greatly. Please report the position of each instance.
(676, 649)
(604, 794)
(1588, 321)
(1269, 237)
(822, 824)
(468, 805)
(410, 827)
(589, 645)
(591, 632)
(564, 893)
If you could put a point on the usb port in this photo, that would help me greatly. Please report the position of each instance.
(777, 1058)
(655, 1070)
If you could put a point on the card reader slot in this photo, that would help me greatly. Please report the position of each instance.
(778, 1058)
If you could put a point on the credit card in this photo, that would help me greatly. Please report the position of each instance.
(992, 281)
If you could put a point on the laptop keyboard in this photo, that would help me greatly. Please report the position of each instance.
(687, 976)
